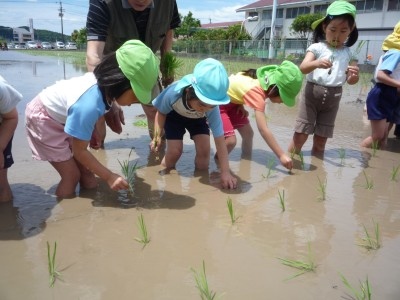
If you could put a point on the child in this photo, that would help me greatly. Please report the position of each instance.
(60, 120)
(9, 98)
(280, 84)
(383, 101)
(327, 67)
(192, 104)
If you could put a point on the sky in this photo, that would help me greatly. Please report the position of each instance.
(45, 13)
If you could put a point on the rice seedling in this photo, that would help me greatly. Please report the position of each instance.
(270, 165)
(144, 238)
(232, 214)
(362, 293)
(304, 266)
(322, 189)
(129, 171)
(51, 259)
(375, 148)
(301, 160)
(281, 197)
(169, 64)
(369, 184)
(202, 284)
(292, 153)
(342, 155)
(395, 172)
(371, 241)
(140, 123)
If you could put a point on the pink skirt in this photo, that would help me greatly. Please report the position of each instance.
(46, 137)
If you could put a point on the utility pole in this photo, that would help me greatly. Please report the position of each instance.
(61, 14)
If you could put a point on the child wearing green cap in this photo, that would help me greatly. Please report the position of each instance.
(327, 67)
(192, 104)
(279, 83)
(383, 101)
(61, 118)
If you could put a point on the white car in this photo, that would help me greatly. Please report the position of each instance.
(71, 46)
(31, 45)
(60, 45)
(46, 45)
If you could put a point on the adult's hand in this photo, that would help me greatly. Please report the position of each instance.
(115, 117)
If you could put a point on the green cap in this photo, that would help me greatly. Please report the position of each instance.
(140, 66)
(337, 8)
(286, 76)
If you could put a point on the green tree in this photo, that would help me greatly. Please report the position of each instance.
(301, 26)
(188, 25)
(79, 37)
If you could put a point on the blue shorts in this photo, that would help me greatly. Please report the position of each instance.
(176, 126)
(8, 159)
(383, 103)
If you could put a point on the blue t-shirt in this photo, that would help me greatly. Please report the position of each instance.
(170, 100)
(84, 113)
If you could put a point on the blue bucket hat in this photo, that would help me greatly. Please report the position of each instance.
(209, 81)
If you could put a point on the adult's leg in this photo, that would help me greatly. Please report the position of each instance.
(202, 144)
(246, 133)
(70, 176)
(5, 189)
(172, 154)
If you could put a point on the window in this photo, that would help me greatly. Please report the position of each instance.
(253, 14)
(321, 9)
(394, 5)
(368, 5)
(293, 12)
(267, 14)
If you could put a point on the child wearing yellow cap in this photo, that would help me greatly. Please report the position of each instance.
(383, 101)
(250, 88)
(327, 67)
(61, 118)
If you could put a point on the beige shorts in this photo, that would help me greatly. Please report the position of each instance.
(318, 109)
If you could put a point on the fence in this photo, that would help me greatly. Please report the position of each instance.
(282, 49)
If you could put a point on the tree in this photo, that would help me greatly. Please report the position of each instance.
(79, 37)
(301, 25)
(188, 26)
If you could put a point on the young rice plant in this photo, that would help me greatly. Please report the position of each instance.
(371, 241)
(51, 259)
(232, 214)
(144, 238)
(202, 284)
(362, 293)
(129, 171)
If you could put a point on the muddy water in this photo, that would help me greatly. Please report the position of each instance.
(188, 221)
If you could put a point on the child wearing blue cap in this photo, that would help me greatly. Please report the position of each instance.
(192, 104)
(327, 67)
(61, 118)
(250, 88)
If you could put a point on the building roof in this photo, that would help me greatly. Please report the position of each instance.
(219, 25)
(267, 3)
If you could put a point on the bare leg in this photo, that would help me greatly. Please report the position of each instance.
(87, 178)
(5, 190)
(70, 177)
(202, 144)
(297, 143)
(150, 112)
(173, 153)
(379, 133)
(319, 143)
(247, 133)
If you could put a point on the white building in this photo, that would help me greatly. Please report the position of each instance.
(375, 19)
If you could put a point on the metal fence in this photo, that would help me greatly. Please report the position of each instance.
(282, 49)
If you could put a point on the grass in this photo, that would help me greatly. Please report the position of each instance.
(202, 284)
(129, 171)
(371, 241)
(144, 238)
(369, 184)
(281, 197)
(140, 123)
(362, 293)
(270, 165)
(232, 214)
(375, 148)
(395, 172)
(304, 266)
(322, 189)
(51, 259)
(342, 155)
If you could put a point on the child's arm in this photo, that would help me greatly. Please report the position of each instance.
(7, 128)
(384, 78)
(159, 123)
(269, 138)
(227, 180)
(83, 156)
(310, 63)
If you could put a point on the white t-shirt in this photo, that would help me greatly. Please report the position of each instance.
(340, 61)
(9, 97)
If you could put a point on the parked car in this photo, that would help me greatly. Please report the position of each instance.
(46, 45)
(20, 46)
(59, 45)
(31, 45)
(71, 46)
